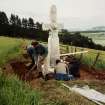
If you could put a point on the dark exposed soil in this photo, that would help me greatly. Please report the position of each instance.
(20, 68)
(91, 73)
(51, 90)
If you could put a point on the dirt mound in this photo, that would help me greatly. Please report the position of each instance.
(85, 75)
(91, 73)
(20, 68)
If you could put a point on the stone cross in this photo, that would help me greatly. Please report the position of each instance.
(53, 39)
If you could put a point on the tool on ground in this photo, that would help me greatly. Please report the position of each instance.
(88, 93)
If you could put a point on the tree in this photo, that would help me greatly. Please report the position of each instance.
(16, 27)
(30, 23)
(24, 23)
(12, 20)
(17, 21)
(3, 18)
(38, 26)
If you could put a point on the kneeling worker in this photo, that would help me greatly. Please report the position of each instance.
(61, 71)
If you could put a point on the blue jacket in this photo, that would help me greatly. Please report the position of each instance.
(41, 50)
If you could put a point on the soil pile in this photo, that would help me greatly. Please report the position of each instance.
(20, 68)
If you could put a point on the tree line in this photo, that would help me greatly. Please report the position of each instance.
(14, 26)
(77, 39)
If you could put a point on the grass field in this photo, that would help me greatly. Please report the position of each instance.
(56, 94)
(98, 38)
(9, 48)
(12, 90)
(15, 92)
(87, 58)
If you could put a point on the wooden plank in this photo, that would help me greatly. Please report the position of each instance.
(73, 53)
(95, 101)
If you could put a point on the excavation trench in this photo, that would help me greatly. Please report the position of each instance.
(21, 69)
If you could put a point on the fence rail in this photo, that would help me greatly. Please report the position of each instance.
(93, 58)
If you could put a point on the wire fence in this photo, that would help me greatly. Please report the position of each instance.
(93, 58)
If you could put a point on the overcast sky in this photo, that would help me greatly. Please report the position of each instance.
(72, 13)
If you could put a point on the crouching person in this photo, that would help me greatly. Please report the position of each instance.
(38, 53)
(73, 67)
(41, 52)
(61, 71)
(31, 53)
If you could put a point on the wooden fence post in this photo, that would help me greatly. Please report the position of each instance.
(81, 55)
(96, 59)
(71, 48)
(67, 49)
(75, 49)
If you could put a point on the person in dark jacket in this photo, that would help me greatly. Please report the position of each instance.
(31, 52)
(37, 52)
(74, 66)
(41, 50)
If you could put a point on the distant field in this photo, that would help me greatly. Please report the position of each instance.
(98, 38)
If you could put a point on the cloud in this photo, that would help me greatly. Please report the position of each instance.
(73, 13)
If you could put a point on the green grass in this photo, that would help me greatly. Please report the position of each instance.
(98, 38)
(9, 48)
(15, 92)
(12, 90)
(88, 58)
(56, 94)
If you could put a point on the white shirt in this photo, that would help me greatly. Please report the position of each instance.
(29, 46)
(61, 68)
